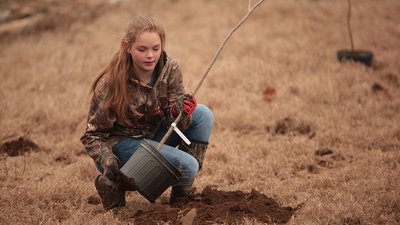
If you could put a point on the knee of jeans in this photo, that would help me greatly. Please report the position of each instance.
(205, 114)
(192, 168)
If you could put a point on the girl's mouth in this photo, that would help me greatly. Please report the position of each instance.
(149, 63)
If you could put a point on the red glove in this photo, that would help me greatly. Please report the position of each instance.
(186, 104)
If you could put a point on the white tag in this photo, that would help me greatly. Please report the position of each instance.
(184, 138)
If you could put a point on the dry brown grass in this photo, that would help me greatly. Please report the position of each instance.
(288, 45)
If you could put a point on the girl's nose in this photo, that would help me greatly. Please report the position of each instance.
(149, 54)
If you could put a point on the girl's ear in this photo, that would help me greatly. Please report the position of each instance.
(126, 45)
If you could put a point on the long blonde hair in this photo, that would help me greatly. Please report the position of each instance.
(117, 70)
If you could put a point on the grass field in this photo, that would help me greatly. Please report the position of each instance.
(262, 140)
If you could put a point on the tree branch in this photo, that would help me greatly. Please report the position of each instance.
(225, 41)
(249, 12)
(348, 24)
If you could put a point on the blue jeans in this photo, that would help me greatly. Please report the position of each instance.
(198, 131)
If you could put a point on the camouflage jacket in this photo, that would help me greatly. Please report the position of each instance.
(148, 106)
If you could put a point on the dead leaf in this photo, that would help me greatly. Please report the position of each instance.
(189, 217)
(269, 94)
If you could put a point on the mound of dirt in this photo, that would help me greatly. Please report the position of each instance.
(292, 126)
(18, 146)
(214, 206)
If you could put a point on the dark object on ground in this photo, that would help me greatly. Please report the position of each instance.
(18, 146)
(361, 56)
(323, 151)
(290, 126)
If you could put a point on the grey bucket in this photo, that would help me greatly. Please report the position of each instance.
(152, 173)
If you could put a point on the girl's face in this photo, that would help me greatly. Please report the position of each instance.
(146, 52)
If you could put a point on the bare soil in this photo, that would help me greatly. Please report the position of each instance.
(219, 207)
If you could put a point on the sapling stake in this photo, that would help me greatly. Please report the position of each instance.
(349, 25)
(249, 12)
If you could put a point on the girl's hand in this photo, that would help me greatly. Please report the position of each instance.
(186, 103)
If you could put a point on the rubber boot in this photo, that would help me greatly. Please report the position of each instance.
(181, 192)
(196, 149)
(125, 183)
(111, 194)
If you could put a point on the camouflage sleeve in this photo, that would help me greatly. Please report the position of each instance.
(175, 90)
(98, 128)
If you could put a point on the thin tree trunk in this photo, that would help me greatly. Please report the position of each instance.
(249, 12)
(349, 25)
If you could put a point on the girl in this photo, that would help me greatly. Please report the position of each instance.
(136, 97)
